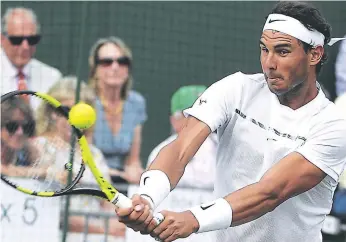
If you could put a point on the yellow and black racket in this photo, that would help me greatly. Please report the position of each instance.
(39, 147)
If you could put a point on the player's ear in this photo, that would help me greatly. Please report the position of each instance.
(315, 55)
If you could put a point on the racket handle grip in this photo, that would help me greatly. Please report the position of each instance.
(122, 201)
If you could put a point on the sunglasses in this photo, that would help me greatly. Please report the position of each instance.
(27, 127)
(123, 61)
(18, 40)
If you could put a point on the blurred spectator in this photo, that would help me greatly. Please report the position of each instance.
(121, 111)
(199, 173)
(20, 33)
(64, 91)
(340, 102)
(339, 201)
(340, 69)
(17, 127)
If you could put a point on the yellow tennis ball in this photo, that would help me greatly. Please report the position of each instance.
(82, 116)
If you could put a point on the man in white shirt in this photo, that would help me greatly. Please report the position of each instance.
(199, 173)
(340, 103)
(19, 38)
(282, 145)
(340, 69)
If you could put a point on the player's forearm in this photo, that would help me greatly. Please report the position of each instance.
(242, 206)
(172, 162)
(168, 167)
(251, 202)
(162, 175)
(174, 157)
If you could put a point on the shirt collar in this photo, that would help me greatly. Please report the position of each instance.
(10, 69)
(313, 107)
(26, 71)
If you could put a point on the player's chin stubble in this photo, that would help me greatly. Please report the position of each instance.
(288, 90)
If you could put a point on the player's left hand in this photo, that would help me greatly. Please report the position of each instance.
(174, 226)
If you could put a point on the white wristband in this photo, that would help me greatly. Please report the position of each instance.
(154, 187)
(213, 216)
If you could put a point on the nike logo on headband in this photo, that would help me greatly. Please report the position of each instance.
(275, 20)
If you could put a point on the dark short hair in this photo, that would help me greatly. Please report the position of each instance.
(311, 18)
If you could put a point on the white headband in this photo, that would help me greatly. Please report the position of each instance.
(295, 28)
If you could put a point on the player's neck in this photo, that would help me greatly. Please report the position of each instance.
(301, 94)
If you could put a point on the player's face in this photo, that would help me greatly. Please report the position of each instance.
(19, 25)
(12, 131)
(284, 62)
(111, 74)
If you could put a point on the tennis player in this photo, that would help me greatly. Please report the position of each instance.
(282, 145)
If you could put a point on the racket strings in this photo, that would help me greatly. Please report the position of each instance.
(39, 147)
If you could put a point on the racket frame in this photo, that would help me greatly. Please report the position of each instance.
(107, 190)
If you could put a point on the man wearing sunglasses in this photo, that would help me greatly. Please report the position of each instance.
(19, 38)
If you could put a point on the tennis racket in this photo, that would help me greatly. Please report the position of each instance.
(45, 159)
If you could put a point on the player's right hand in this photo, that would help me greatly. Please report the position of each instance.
(138, 217)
